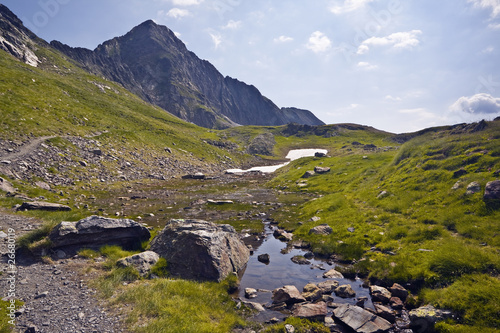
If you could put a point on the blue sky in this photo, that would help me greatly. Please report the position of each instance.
(396, 65)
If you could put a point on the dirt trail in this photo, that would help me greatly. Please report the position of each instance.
(26, 149)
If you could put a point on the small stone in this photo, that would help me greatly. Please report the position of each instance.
(250, 292)
(264, 258)
(333, 274)
(345, 291)
(42, 295)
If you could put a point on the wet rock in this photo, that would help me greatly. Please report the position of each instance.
(143, 262)
(492, 192)
(345, 291)
(201, 250)
(311, 292)
(333, 274)
(250, 292)
(399, 291)
(41, 205)
(321, 170)
(315, 312)
(380, 294)
(283, 235)
(254, 306)
(96, 231)
(423, 319)
(473, 187)
(300, 260)
(323, 229)
(287, 294)
(327, 287)
(361, 320)
(264, 258)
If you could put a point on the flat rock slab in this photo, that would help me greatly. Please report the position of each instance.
(316, 311)
(96, 231)
(41, 205)
(201, 250)
(361, 320)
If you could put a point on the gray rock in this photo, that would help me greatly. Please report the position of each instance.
(492, 192)
(328, 287)
(43, 185)
(399, 291)
(288, 295)
(321, 170)
(41, 205)
(312, 292)
(380, 294)
(333, 274)
(323, 229)
(319, 154)
(308, 174)
(250, 292)
(96, 231)
(345, 291)
(316, 311)
(142, 262)
(197, 175)
(473, 187)
(254, 306)
(6, 186)
(201, 250)
(361, 320)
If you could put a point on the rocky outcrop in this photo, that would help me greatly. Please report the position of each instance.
(16, 39)
(322, 229)
(361, 320)
(201, 250)
(153, 63)
(142, 262)
(96, 231)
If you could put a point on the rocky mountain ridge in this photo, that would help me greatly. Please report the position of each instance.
(154, 64)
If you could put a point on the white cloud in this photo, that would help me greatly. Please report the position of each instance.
(216, 38)
(186, 2)
(493, 5)
(398, 40)
(349, 6)
(366, 66)
(318, 42)
(233, 25)
(283, 39)
(494, 26)
(392, 98)
(488, 50)
(178, 13)
(479, 104)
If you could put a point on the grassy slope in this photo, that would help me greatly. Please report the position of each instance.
(61, 99)
(422, 231)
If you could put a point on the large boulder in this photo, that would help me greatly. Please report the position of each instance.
(96, 231)
(201, 250)
(42, 205)
(142, 262)
(361, 320)
(315, 312)
(492, 192)
(6, 186)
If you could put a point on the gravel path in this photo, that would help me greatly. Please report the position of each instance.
(55, 295)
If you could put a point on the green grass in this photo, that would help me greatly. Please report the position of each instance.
(164, 305)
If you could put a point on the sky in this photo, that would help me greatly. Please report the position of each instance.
(396, 65)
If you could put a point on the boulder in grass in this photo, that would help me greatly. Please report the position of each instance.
(94, 232)
(41, 205)
(201, 250)
(142, 262)
(492, 192)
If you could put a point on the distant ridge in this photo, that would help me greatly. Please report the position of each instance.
(153, 63)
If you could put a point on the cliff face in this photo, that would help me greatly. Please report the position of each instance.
(16, 39)
(153, 63)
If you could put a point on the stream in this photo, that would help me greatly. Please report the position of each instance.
(281, 270)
